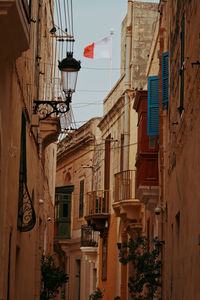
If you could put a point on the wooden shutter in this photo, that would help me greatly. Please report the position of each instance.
(63, 211)
(165, 80)
(81, 198)
(153, 106)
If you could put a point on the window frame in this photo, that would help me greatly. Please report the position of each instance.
(153, 106)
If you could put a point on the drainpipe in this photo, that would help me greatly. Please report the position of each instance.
(161, 150)
(127, 86)
(124, 236)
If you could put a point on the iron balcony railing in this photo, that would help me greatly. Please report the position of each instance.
(98, 202)
(124, 185)
(89, 237)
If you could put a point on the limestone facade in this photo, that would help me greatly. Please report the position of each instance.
(27, 174)
(180, 23)
(177, 222)
(76, 247)
(119, 131)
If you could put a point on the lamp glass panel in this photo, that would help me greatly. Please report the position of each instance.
(68, 81)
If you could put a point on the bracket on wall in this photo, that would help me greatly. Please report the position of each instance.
(47, 108)
(195, 63)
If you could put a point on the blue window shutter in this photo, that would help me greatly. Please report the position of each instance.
(153, 106)
(165, 80)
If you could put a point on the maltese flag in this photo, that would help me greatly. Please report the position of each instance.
(99, 49)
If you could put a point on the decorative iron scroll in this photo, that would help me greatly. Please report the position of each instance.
(26, 212)
(47, 108)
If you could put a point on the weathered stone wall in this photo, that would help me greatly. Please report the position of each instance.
(77, 161)
(20, 252)
(144, 17)
(181, 159)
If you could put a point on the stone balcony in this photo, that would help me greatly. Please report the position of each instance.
(125, 205)
(97, 210)
(89, 237)
(15, 26)
(146, 179)
(147, 188)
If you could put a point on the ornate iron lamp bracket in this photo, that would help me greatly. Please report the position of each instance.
(47, 108)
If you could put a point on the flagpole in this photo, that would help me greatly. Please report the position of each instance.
(111, 34)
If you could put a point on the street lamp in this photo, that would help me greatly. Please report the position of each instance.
(69, 68)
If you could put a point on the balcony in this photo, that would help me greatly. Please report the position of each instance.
(147, 179)
(62, 214)
(146, 185)
(89, 237)
(97, 209)
(14, 26)
(126, 206)
(89, 244)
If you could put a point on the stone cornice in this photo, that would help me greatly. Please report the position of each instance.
(73, 146)
(114, 111)
(83, 136)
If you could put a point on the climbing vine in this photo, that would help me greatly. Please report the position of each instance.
(52, 278)
(96, 295)
(145, 281)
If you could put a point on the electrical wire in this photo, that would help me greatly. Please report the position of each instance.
(69, 48)
(65, 13)
(117, 111)
(66, 24)
(94, 146)
(72, 24)
(60, 14)
(91, 68)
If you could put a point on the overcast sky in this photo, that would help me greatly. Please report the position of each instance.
(93, 20)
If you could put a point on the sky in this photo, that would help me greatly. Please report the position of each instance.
(92, 21)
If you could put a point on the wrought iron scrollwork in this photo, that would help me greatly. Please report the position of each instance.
(47, 108)
(26, 212)
(89, 237)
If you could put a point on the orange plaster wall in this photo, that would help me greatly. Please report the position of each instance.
(108, 287)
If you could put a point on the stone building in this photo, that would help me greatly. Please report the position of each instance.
(27, 158)
(179, 130)
(147, 158)
(174, 67)
(75, 243)
(118, 214)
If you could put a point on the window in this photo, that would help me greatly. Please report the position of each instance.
(63, 211)
(104, 257)
(178, 224)
(153, 106)
(22, 171)
(151, 142)
(81, 199)
(26, 212)
(165, 80)
(107, 163)
(122, 153)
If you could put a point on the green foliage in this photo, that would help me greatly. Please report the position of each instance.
(144, 283)
(96, 295)
(52, 278)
